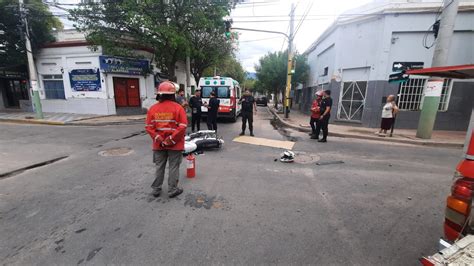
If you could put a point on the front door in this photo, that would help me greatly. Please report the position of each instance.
(352, 100)
(127, 92)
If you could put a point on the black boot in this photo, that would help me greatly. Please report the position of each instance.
(156, 192)
(175, 193)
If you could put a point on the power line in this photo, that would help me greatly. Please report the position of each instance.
(263, 39)
(276, 20)
(304, 18)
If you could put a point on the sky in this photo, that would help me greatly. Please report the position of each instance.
(274, 15)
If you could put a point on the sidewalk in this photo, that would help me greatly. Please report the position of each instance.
(439, 138)
(49, 118)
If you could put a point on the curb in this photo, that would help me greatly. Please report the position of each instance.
(354, 136)
(70, 123)
(33, 121)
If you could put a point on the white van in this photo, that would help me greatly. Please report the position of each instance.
(228, 92)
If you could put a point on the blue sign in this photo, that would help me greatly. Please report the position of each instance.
(85, 79)
(120, 65)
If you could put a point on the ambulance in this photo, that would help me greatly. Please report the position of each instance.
(228, 92)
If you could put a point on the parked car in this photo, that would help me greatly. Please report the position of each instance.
(457, 246)
(262, 101)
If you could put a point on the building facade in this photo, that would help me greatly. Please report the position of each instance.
(73, 78)
(356, 55)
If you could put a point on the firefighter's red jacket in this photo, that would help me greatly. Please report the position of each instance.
(315, 109)
(166, 123)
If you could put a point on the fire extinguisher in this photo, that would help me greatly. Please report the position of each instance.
(191, 166)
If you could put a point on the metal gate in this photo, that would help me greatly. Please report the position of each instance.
(352, 100)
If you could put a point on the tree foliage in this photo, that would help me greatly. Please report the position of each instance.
(12, 39)
(173, 29)
(229, 67)
(272, 72)
(249, 84)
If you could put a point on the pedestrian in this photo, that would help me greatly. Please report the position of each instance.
(248, 107)
(166, 124)
(195, 103)
(315, 114)
(389, 110)
(181, 99)
(212, 110)
(325, 110)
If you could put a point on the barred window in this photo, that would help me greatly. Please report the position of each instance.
(410, 94)
(53, 86)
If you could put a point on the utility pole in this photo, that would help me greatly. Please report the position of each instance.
(290, 62)
(188, 75)
(31, 66)
(434, 86)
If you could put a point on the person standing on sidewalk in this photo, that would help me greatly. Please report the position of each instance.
(166, 124)
(315, 114)
(195, 103)
(248, 106)
(326, 106)
(212, 110)
(389, 110)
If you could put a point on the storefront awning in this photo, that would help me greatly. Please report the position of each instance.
(456, 72)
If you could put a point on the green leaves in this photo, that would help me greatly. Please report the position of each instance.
(273, 68)
(172, 30)
(12, 41)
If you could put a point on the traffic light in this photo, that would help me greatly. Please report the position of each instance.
(228, 28)
(293, 65)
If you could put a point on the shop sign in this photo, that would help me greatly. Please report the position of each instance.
(85, 79)
(120, 65)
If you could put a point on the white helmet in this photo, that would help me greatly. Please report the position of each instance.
(287, 157)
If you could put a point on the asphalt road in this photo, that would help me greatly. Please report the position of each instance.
(366, 203)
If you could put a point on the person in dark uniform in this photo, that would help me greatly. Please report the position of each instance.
(325, 109)
(195, 103)
(248, 107)
(213, 108)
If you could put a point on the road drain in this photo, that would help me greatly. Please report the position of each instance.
(21, 170)
(116, 152)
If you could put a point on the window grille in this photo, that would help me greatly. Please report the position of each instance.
(410, 94)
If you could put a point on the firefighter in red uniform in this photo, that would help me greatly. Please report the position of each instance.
(166, 124)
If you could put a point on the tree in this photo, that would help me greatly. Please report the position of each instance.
(272, 72)
(228, 66)
(12, 39)
(249, 84)
(173, 29)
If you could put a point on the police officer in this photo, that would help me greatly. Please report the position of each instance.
(213, 109)
(166, 124)
(195, 103)
(326, 105)
(248, 106)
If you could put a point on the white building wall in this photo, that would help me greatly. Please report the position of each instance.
(62, 60)
(379, 41)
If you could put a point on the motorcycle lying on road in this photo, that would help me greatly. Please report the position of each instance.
(202, 140)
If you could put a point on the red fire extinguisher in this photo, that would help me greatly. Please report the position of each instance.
(191, 166)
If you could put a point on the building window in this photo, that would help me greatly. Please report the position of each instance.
(53, 86)
(325, 72)
(410, 94)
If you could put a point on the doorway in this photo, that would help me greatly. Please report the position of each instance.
(352, 100)
(14, 91)
(127, 92)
